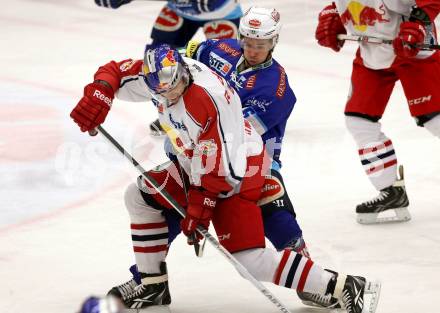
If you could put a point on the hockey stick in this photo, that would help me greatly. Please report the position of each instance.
(238, 266)
(375, 40)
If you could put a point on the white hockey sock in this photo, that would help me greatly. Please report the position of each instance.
(301, 273)
(375, 150)
(287, 269)
(149, 232)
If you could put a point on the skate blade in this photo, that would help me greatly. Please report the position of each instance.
(401, 215)
(371, 296)
(333, 308)
(150, 309)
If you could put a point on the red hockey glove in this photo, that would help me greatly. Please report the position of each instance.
(411, 34)
(200, 209)
(93, 107)
(329, 27)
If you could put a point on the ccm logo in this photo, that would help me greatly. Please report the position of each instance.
(102, 97)
(224, 237)
(420, 100)
(209, 202)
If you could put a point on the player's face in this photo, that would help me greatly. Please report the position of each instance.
(256, 51)
(173, 95)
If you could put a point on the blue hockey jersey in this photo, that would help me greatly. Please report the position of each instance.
(264, 90)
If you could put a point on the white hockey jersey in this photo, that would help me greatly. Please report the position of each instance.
(380, 19)
(206, 125)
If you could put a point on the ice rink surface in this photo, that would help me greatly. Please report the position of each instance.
(63, 227)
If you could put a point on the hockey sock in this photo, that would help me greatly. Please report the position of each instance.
(150, 244)
(287, 269)
(375, 150)
(298, 272)
(149, 232)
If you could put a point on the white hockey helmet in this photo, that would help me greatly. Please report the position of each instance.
(260, 23)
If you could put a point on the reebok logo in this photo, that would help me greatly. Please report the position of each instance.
(102, 97)
(209, 202)
(329, 11)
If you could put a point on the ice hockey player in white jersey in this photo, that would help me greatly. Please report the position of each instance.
(179, 20)
(376, 69)
(223, 159)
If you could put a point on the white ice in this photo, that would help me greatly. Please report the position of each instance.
(63, 227)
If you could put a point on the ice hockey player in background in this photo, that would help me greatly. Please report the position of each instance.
(199, 111)
(179, 20)
(376, 68)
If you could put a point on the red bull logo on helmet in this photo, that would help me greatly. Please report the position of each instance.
(362, 16)
(169, 59)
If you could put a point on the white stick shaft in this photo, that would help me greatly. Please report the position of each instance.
(366, 39)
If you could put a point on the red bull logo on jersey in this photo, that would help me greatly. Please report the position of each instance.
(362, 16)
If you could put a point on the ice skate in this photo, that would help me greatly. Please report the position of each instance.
(153, 292)
(123, 290)
(326, 301)
(391, 199)
(155, 129)
(356, 294)
(319, 301)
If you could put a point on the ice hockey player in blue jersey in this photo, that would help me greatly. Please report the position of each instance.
(248, 66)
(179, 20)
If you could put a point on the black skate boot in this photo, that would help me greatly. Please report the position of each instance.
(393, 197)
(153, 291)
(355, 293)
(155, 129)
(123, 290)
(326, 301)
